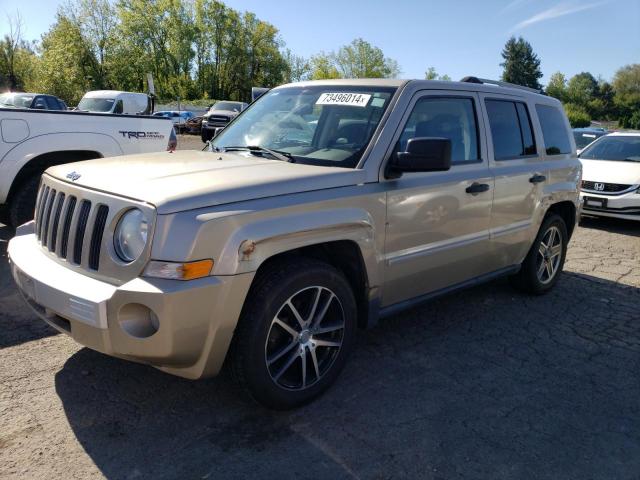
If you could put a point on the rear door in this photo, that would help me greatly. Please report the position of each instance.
(437, 231)
(520, 175)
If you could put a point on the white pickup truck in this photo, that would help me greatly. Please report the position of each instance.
(32, 141)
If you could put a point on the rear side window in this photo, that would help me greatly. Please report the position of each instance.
(554, 130)
(445, 117)
(510, 129)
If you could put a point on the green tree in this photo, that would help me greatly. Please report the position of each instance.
(432, 74)
(67, 65)
(557, 86)
(360, 59)
(298, 68)
(578, 116)
(17, 57)
(582, 88)
(626, 83)
(323, 68)
(521, 65)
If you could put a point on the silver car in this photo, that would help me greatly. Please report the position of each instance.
(322, 208)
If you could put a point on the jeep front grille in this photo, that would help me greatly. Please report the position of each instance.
(60, 219)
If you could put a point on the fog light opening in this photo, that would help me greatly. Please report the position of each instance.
(138, 320)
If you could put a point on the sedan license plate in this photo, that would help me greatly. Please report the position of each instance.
(592, 202)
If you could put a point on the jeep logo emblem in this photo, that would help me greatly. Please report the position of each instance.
(598, 186)
(73, 176)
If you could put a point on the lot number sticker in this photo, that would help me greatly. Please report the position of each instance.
(351, 99)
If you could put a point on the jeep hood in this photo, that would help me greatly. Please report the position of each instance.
(186, 180)
(608, 171)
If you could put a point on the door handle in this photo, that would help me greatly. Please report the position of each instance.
(537, 178)
(476, 188)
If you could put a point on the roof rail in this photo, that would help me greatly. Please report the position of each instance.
(500, 84)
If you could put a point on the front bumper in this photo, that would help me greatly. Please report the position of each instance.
(195, 319)
(625, 206)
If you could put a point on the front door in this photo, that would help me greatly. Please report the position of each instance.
(437, 231)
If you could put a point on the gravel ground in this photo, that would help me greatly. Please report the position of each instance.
(483, 384)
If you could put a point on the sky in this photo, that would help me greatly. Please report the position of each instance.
(456, 37)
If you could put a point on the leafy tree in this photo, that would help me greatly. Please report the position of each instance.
(17, 58)
(322, 67)
(557, 86)
(626, 83)
(360, 59)
(298, 68)
(521, 65)
(67, 64)
(578, 116)
(431, 74)
(582, 88)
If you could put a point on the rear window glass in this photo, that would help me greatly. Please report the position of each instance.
(510, 129)
(554, 130)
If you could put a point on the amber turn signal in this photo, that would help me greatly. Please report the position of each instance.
(179, 271)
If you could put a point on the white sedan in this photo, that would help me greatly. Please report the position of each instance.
(611, 176)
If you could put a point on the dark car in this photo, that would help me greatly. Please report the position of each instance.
(36, 101)
(219, 115)
(584, 136)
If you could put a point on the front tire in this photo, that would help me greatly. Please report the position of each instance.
(23, 202)
(544, 262)
(295, 333)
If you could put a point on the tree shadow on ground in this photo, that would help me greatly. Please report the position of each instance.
(486, 383)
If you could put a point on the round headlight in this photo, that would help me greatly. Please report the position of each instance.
(131, 235)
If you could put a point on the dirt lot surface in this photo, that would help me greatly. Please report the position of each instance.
(483, 384)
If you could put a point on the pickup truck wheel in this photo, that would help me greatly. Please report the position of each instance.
(545, 260)
(23, 202)
(294, 334)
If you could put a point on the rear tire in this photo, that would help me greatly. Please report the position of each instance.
(294, 334)
(543, 264)
(23, 202)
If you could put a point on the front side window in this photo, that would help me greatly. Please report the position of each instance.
(443, 117)
(511, 130)
(617, 148)
(318, 125)
(554, 130)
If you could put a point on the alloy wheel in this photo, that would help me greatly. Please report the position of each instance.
(305, 337)
(549, 255)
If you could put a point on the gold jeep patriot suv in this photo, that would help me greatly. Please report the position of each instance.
(321, 208)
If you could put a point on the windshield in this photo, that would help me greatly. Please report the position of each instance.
(13, 100)
(319, 125)
(96, 104)
(615, 148)
(229, 106)
(583, 139)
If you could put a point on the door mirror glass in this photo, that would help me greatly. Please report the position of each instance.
(424, 154)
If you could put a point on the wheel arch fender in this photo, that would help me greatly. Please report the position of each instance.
(254, 243)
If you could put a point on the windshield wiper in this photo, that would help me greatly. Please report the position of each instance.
(283, 156)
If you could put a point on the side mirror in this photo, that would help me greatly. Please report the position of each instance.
(217, 130)
(424, 154)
